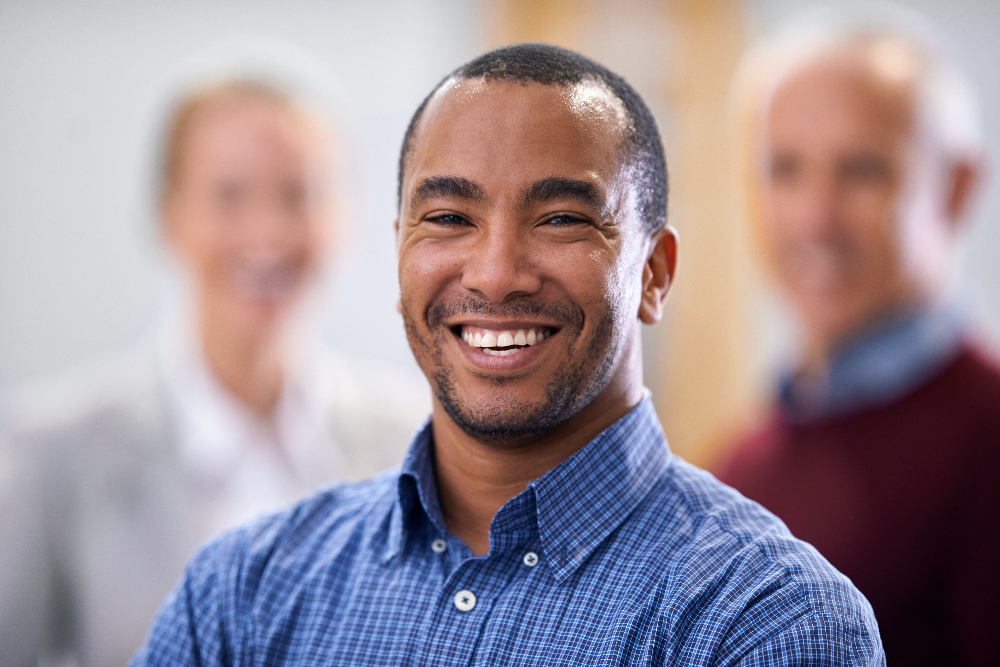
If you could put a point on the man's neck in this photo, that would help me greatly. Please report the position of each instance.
(823, 346)
(475, 479)
(879, 365)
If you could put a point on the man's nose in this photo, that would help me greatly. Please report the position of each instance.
(819, 206)
(500, 266)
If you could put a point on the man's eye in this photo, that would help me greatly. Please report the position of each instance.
(563, 219)
(783, 168)
(448, 219)
(867, 169)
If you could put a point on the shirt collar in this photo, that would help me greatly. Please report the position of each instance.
(571, 509)
(880, 366)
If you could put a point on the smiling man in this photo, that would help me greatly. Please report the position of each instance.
(539, 518)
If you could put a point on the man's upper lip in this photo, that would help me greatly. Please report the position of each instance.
(502, 325)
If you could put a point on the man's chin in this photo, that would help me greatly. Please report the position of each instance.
(501, 422)
(501, 433)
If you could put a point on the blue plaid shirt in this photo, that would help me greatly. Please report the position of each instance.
(622, 554)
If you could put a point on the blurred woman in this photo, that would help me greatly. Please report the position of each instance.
(225, 411)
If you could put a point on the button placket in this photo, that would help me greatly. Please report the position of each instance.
(454, 628)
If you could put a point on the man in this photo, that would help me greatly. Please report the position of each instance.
(221, 414)
(884, 448)
(539, 517)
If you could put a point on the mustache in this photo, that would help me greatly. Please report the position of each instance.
(524, 308)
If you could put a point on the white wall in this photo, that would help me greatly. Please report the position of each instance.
(79, 84)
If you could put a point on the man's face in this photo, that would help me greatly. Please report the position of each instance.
(248, 213)
(520, 259)
(848, 207)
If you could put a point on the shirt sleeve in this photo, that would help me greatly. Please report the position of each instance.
(783, 605)
(813, 640)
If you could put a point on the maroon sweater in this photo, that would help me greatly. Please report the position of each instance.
(905, 500)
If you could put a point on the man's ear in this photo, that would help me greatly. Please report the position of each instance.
(963, 184)
(658, 274)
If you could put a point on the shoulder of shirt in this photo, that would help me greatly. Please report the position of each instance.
(118, 386)
(725, 541)
(371, 410)
(368, 388)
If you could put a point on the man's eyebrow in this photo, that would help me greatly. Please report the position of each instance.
(447, 186)
(556, 187)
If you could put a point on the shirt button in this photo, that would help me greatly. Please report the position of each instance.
(439, 546)
(465, 600)
(531, 559)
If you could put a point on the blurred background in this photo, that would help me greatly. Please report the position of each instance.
(81, 85)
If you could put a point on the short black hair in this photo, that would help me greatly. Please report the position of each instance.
(555, 66)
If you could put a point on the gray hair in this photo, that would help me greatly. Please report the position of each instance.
(899, 43)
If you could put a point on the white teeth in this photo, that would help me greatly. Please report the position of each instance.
(505, 339)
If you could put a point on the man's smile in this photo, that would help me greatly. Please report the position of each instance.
(505, 337)
(502, 343)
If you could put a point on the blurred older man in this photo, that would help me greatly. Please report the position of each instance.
(222, 414)
(884, 447)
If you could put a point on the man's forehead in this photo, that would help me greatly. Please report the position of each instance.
(587, 97)
(587, 100)
(882, 69)
(842, 92)
(471, 115)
